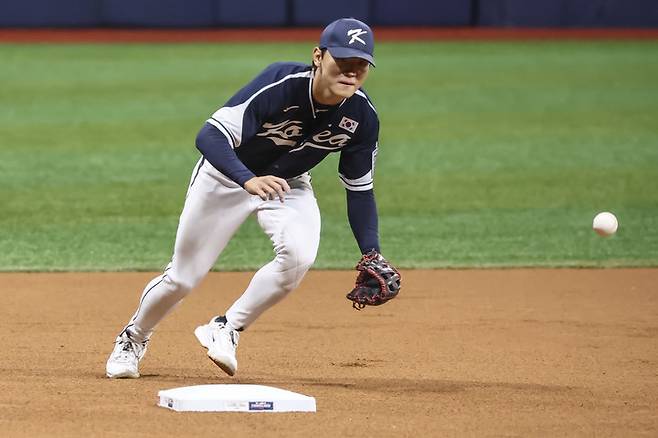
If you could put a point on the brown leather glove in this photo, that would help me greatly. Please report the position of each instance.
(376, 283)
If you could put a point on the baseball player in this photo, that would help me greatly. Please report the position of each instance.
(256, 153)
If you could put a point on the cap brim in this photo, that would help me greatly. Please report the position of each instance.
(346, 52)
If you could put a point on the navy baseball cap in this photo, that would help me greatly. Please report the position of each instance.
(349, 38)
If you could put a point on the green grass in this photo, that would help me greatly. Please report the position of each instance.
(492, 154)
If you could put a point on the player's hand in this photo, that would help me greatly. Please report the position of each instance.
(267, 187)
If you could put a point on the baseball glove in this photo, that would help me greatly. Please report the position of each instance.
(376, 283)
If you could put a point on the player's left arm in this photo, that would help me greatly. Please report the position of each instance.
(363, 218)
(356, 171)
(378, 280)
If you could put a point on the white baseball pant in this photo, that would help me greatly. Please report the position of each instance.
(215, 207)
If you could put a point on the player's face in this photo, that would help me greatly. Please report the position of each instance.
(339, 78)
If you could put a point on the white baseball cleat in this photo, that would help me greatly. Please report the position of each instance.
(221, 342)
(124, 360)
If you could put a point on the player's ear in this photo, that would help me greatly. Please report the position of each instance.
(317, 57)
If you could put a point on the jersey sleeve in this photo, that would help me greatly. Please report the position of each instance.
(216, 149)
(240, 117)
(363, 218)
(229, 125)
(356, 167)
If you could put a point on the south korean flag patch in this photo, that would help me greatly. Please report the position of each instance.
(348, 124)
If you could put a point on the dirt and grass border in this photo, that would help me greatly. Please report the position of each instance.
(139, 35)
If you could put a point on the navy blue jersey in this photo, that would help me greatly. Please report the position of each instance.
(275, 128)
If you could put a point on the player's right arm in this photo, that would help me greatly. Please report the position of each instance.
(216, 148)
(233, 124)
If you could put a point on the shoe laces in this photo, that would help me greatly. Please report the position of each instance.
(221, 330)
(130, 348)
(234, 338)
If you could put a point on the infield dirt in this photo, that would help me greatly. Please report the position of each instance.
(459, 353)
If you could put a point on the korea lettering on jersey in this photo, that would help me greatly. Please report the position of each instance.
(275, 127)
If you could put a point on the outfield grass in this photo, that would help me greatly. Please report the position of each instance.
(492, 154)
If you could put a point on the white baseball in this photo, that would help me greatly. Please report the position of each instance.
(605, 224)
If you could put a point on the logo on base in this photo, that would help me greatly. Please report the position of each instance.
(261, 406)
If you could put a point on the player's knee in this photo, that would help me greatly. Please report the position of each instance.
(183, 285)
(296, 257)
(292, 273)
(305, 260)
